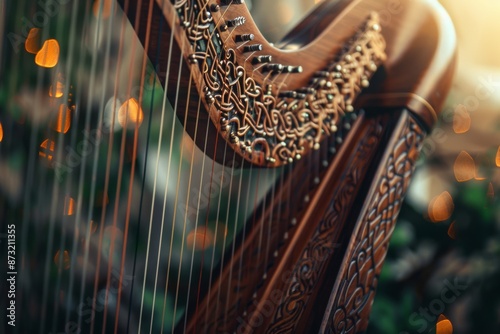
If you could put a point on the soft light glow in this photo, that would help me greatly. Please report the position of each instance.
(32, 43)
(1, 132)
(69, 206)
(63, 122)
(48, 56)
(441, 207)
(461, 119)
(201, 240)
(106, 8)
(452, 232)
(66, 261)
(57, 90)
(47, 149)
(498, 157)
(130, 114)
(465, 167)
(444, 326)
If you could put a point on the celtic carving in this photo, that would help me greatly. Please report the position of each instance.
(350, 307)
(265, 125)
(311, 266)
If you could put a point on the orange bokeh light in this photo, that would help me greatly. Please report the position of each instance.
(461, 119)
(48, 56)
(465, 167)
(444, 326)
(66, 261)
(441, 207)
(452, 232)
(47, 148)
(32, 43)
(57, 90)
(130, 114)
(63, 122)
(1, 132)
(69, 206)
(201, 238)
(497, 160)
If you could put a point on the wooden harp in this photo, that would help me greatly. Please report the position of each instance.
(276, 215)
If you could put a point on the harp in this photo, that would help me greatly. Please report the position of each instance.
(240, 187)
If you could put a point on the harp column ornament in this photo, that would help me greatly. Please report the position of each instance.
(266, 125)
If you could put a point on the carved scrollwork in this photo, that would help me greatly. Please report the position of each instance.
(351, 304)
(308, 271)
(264, 125)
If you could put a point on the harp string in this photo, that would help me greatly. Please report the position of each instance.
(168, 170)
(145, 273)
(208, 205)
(54, 214)
(107, 177)
(233, 244)
(193, 250)
(83, 164)
(185, 222)
(134, 157)
(162, 118)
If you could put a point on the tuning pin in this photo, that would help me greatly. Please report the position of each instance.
(292, 69)
(236, 22)
(307, 90)
(252, 48)
(214, 8)
(288, 94)
(278, 68)
(262, 59)
(321, 74)
(244, 38)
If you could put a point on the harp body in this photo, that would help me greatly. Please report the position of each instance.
(336, 112)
